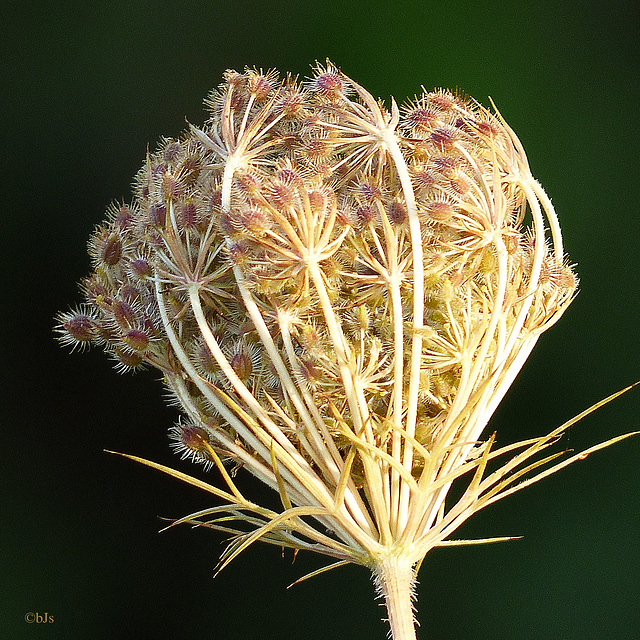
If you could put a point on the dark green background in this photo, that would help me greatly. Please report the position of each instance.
(85, 87)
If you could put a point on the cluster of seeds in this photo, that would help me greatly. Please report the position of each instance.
(315, 269)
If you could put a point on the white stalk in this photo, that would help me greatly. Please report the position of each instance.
(394, 577)
(389, 138)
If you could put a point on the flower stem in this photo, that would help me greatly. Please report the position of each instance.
(395, 580)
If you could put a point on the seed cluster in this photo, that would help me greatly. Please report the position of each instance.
(314, 266)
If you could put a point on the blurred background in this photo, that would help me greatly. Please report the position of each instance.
(86, 86)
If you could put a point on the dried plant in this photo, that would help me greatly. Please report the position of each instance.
(338, 294)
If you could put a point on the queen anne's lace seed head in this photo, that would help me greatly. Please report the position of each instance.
(344, 289)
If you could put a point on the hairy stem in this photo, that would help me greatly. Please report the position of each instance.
(395, 580)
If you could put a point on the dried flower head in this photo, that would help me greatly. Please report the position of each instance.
(338, 294)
